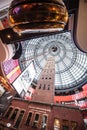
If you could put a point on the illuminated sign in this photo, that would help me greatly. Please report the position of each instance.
(11, 69)
(23, 82)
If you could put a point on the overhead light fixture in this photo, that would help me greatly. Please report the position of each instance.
(37, 15)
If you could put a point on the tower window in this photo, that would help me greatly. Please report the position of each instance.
(35, 123)
(14, 114)
(44, 86)
(44, 122)
(29, 118)
(18, 121)
(8, 112)
(65, 125)
(74, 125)
(40, 86)
(48, 87)
(56, 124)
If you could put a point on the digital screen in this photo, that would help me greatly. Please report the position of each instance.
(23, 82)
(11, 69)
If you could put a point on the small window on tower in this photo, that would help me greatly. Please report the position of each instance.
(14, 114)
(74, 125)
(44, 122)
(56, 124)
(44, 86)
(18, 121)
(48, 87)
(35, 123)
(8, 112)
(40, 86)
(29, 118)
(65, 125)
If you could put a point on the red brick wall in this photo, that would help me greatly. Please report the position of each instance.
(52, 111)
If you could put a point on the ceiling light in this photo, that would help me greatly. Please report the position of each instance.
(8, 36)
(37, 15)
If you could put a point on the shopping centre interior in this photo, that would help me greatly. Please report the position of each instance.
(43, 68)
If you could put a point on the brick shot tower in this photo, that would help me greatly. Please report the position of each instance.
(41, 112)
(45, 87)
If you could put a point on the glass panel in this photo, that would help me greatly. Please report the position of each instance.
(44, 122)
(74, 125)
(29, 118)
(65, 125)
(56, 124)
(65, 128)
(35, 123)
(14, 114)
(70, 62)
(8, 112)
(19, 119)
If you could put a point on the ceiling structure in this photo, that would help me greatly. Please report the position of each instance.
(70, 62)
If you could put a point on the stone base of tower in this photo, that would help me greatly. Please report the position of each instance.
(30, 115)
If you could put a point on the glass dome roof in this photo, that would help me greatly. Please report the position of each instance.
(70, 62)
